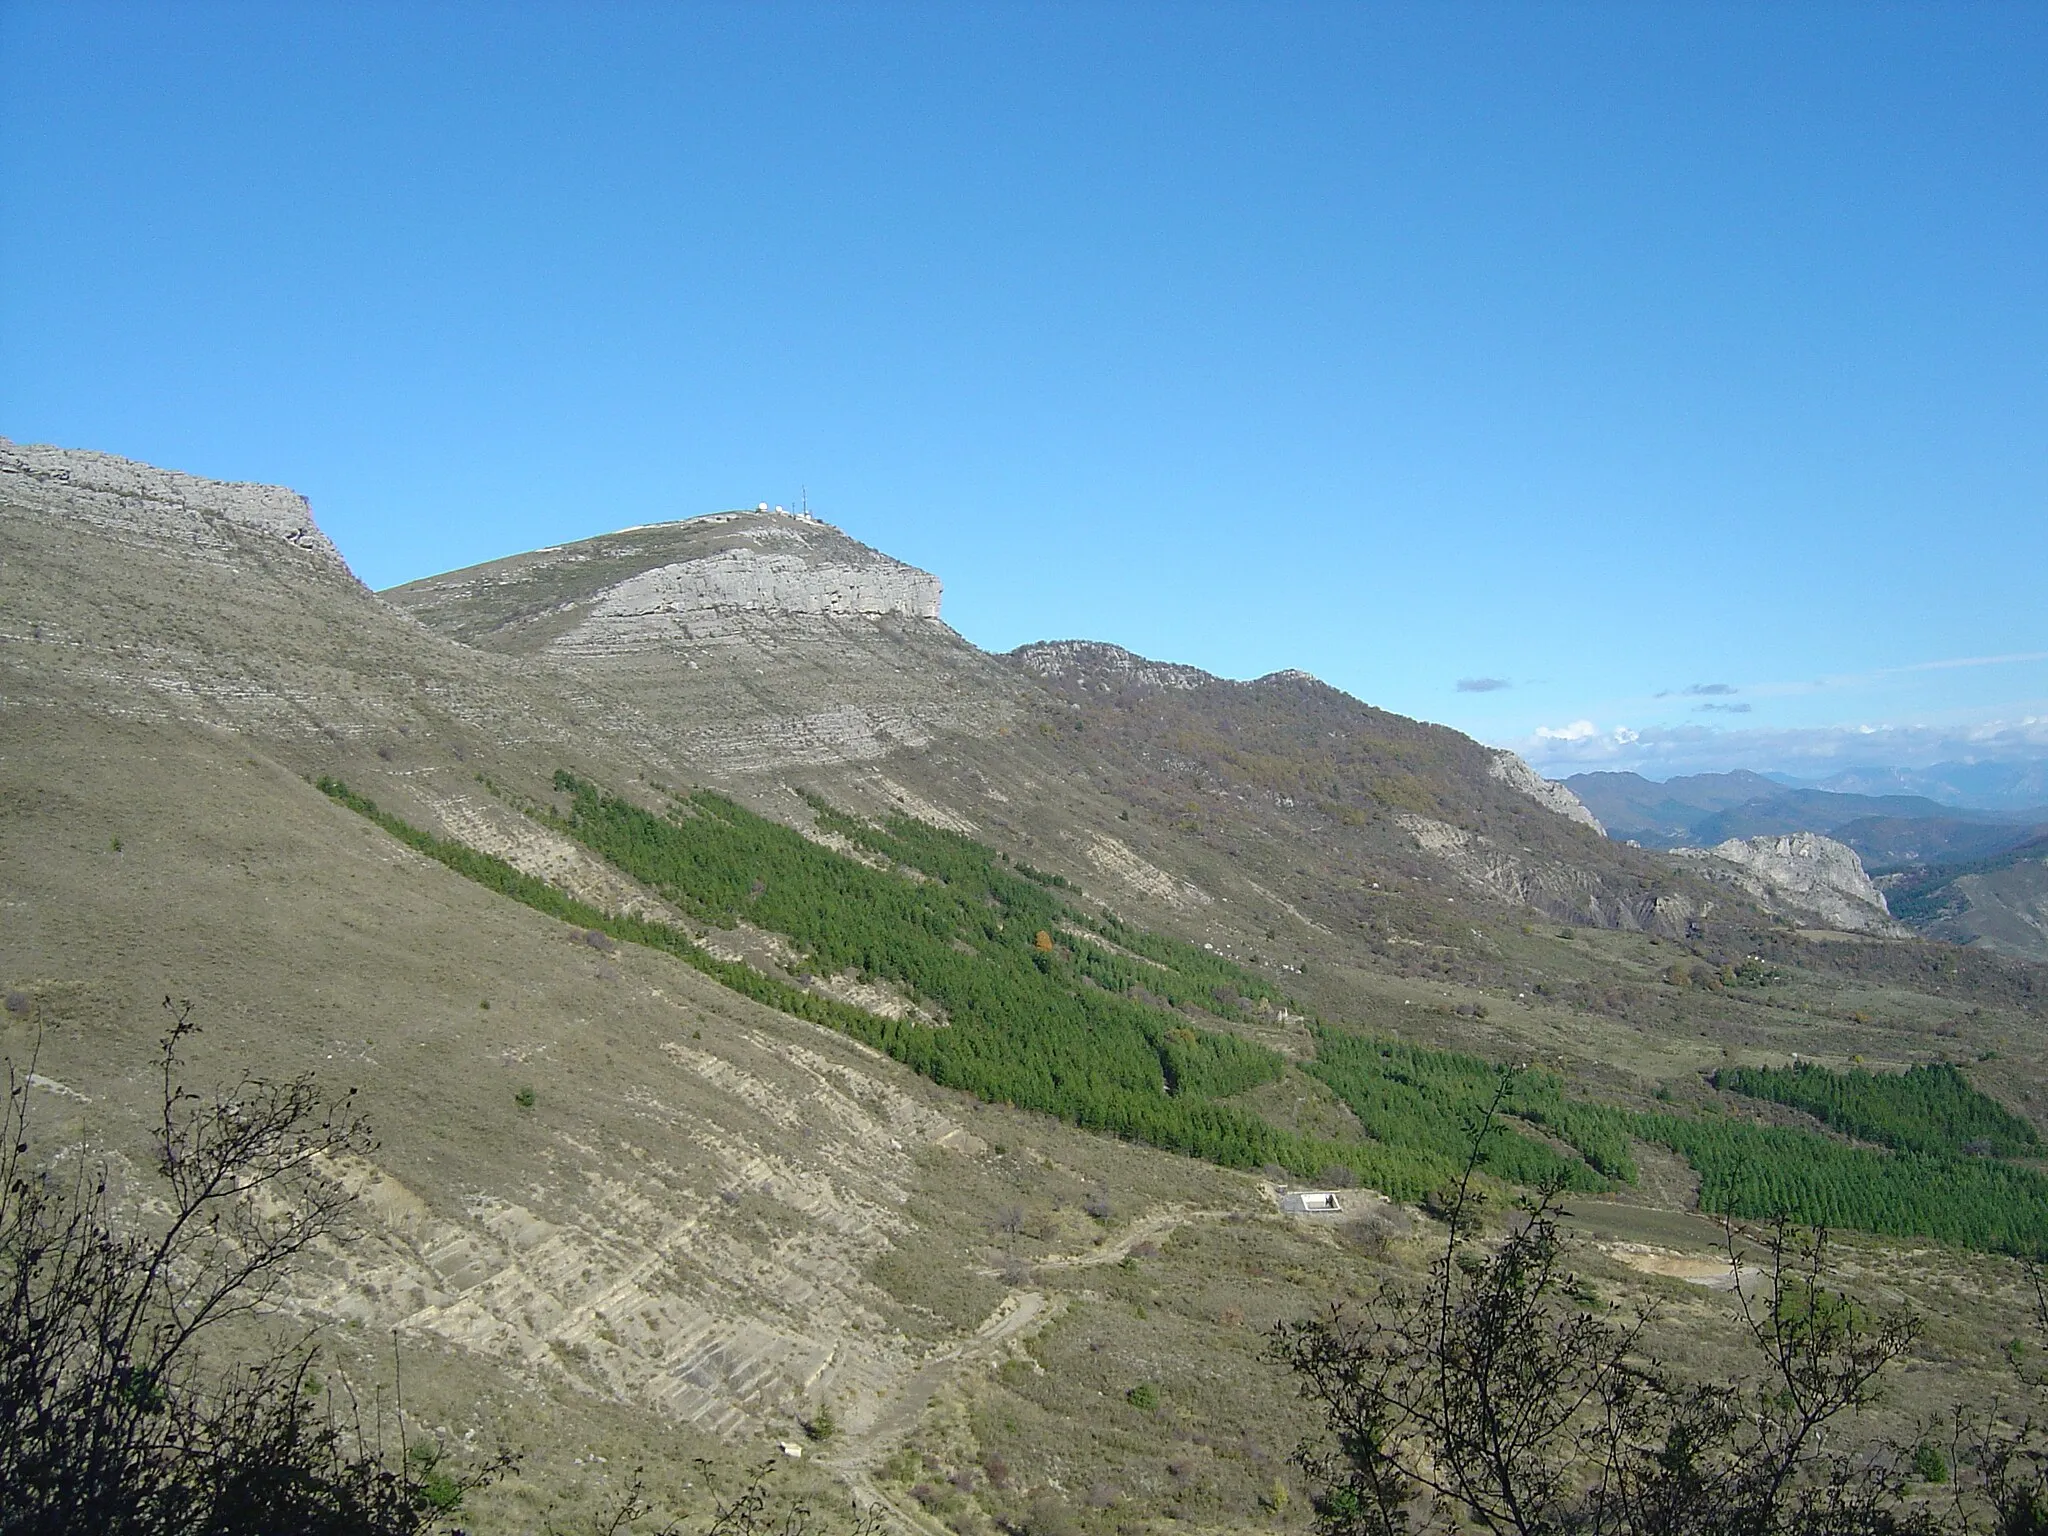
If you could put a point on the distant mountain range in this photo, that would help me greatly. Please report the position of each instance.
(2007, 787)
(1889, 829)
(1961, 873)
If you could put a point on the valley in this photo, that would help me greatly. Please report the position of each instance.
(1970, 873)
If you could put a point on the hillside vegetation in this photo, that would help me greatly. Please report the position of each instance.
(1101, 1031)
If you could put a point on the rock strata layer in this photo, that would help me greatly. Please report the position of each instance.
(121, 496)
(711, 598)
(729, 578)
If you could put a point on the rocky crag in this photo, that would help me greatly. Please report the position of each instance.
(124, 498)
(1802, 875)
(746, 642)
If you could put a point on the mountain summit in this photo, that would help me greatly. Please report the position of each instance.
(725, 578)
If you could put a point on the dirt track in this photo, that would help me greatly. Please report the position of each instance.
(1021, 1313)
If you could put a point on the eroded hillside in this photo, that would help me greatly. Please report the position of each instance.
(622, 1213)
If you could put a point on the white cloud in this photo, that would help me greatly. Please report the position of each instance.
(1582, 734)
(1694, 748)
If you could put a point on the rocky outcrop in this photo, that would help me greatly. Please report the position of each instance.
(1802, 875)
(754, 642)
(1110, 668)
(1509, 768)
(711, 598)
(141, 594)
(732, 578)
(121, 496)
(1559, 890)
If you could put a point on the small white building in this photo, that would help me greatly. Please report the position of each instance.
(1310, 1202)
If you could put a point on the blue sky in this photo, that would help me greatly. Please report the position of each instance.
(1592, 356)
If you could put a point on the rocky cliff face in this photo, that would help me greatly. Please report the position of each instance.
(1801, 875)
(713, 598)
(758, 641)
(140, 594)
(728, 579)
(122, 497)
(1509, 768)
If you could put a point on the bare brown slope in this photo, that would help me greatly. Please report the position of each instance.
(1349, 788)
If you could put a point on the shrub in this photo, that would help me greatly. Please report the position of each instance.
(1495, 1391)
(1498, 1394)
(524, 1098)
(108, 1421)
(1143, 1396)
(1049, 1517)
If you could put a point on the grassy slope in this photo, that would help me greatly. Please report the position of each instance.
(1072, 1028)
(308, 938)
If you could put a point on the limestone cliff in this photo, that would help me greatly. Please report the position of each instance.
(710, 598)
(755, 641)
(120, 496)
(1509, 768)
(1802, 875)
(725, 579)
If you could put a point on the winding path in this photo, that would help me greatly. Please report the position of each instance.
(1021, 1313)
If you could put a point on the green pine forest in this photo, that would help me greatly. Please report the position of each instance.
(1051, 1006)
(1929, 1109)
